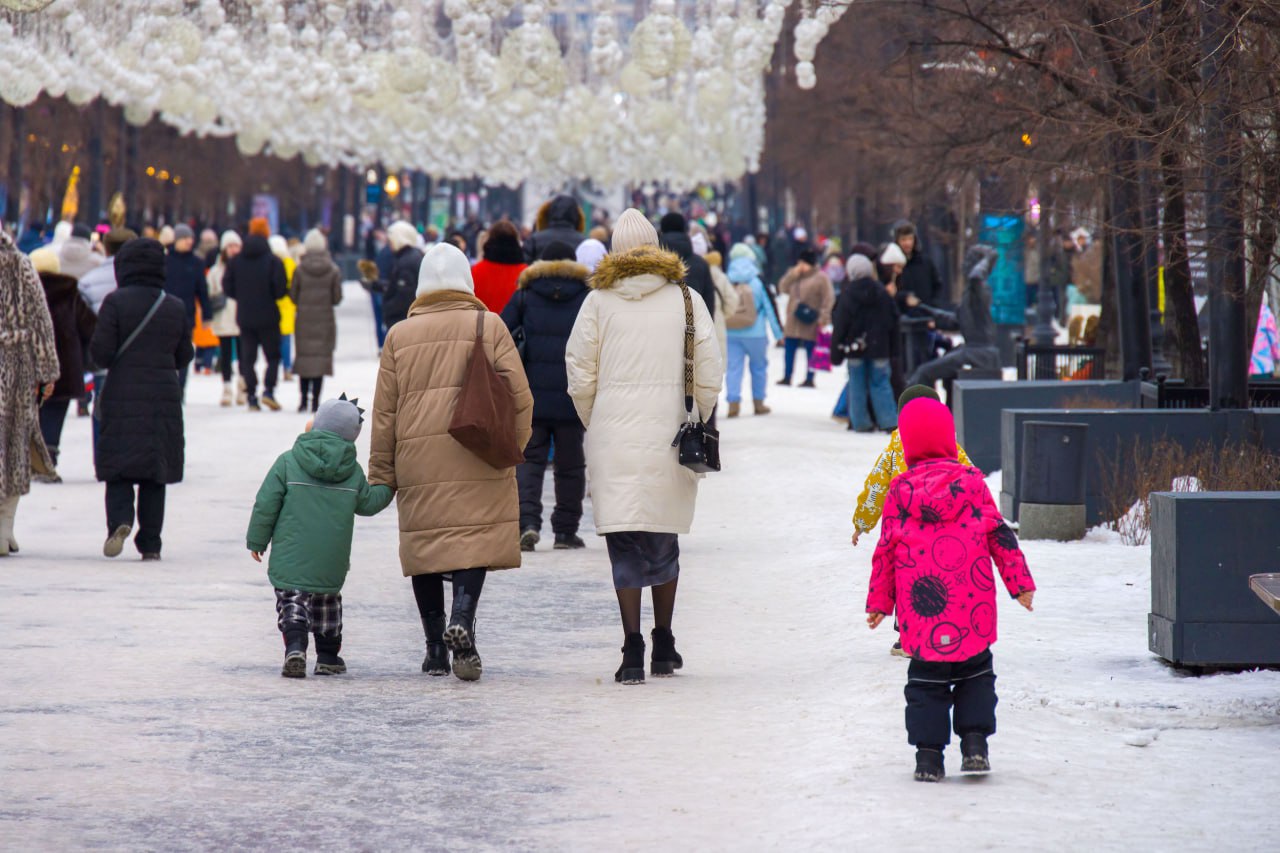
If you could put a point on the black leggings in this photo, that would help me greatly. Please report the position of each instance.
(311, 388)
(428, 590)
(226, 355)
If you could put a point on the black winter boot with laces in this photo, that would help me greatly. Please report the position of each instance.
(437, 660)
(666, 660)
(632, 669)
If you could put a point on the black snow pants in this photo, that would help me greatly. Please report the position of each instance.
(934, 687)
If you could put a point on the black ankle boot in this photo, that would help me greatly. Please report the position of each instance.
(460, 637)
(437, 660)
(666, 660)
(973, 747)
(632, 669)
(327, 660)
(295, 650)
(929, 765)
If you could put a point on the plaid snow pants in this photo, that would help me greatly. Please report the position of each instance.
(320, 612)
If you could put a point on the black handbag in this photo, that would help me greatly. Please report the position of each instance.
(698, 443)
(806, 314)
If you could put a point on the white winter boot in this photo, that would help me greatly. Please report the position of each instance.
(8, 509)
(228, 394)
(242, 393)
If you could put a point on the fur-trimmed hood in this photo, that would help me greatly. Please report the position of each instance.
(552, 269)
(444, 300)
(639, 272)
(563, 211)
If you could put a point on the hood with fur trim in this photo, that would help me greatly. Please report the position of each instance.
(557, 281)
(563, 211)
(639, 272)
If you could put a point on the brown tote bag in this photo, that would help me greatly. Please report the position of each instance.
(484, 420)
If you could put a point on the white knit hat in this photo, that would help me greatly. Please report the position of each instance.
(893, 255)
(444, 268)
(401, 234)
(230, 238)
(589, 253)
(699, 241)
(859, 266)
(316, 241)
(632, 231)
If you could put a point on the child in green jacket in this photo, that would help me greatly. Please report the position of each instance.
(306, 510)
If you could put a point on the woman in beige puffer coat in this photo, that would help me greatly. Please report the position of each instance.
(458, 515)
(626, 370)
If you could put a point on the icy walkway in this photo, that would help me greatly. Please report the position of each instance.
(142, 709)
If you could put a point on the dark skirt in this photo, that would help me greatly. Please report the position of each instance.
(643, 559)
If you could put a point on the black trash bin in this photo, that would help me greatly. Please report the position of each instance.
(1051, 480)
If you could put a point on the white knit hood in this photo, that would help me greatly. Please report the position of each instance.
(445, 268)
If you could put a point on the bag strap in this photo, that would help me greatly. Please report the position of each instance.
(133, 336)
(688, 351)
(480, 325)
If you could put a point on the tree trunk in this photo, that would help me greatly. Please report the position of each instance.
(1182, 328)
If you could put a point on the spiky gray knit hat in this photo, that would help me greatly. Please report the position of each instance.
(341, 417)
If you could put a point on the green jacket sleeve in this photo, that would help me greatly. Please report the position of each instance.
(372, 499)
(266, 507)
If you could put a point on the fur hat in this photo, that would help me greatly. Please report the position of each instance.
(893, 255)
(230, 238)
(634, 230)
(342, 417)
(183, 231)
(316, 241)
(259, 227)
(589, 253)
(45, 260)
(859, 266)
(401, 234)
(444, 267)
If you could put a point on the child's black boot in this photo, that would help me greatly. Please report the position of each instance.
(327, 660)
(929, 764)
(437, 660)
(973, 747)
(295, 650)
(632, 669)
(666, 660)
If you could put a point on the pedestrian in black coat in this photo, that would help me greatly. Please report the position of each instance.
(141, 442)
(399, 291)
(73, 323)
(184, 277)
(919, 276)
(865, 332)
(560, 220)
(256, 280)
(674, 236)
(545, 306)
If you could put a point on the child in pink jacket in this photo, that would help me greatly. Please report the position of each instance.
(939, 535)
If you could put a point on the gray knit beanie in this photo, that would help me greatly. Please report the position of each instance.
(342, 417)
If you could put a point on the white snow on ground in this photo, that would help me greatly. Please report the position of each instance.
(142, 707)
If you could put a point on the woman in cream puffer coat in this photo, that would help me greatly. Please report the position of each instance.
(625, 364)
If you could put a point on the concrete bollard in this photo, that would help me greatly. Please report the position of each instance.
(1051, 481)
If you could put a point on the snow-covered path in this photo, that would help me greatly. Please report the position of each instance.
(142, 707)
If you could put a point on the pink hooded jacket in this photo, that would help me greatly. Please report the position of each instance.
(939, 535)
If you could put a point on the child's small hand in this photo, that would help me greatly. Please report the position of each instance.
(857, 534)
(257, 556)
(874, 620)
(1025, 599)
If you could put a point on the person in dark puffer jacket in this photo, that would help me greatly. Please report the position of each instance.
(256, 280)
(560, 220)
(141, 444)
(545, 306)
(73, 324)
(674, 237)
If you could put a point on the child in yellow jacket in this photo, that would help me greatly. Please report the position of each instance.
(892, 462)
